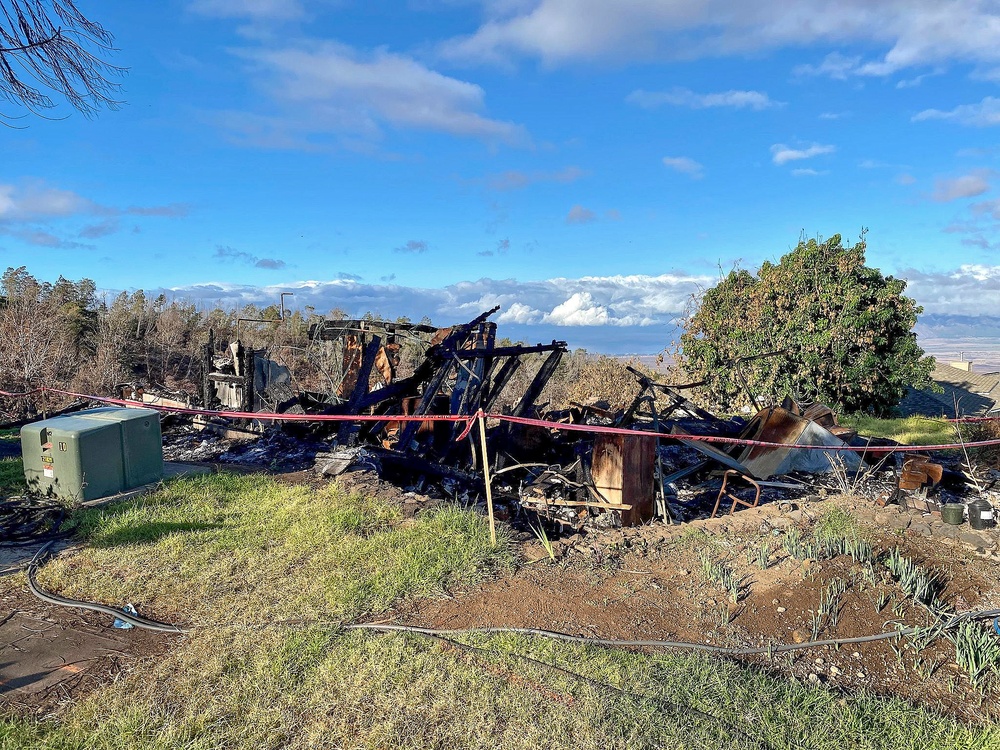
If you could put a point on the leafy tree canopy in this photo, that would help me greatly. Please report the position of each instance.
(845, 330)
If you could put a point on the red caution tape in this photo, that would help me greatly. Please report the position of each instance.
(471, 419)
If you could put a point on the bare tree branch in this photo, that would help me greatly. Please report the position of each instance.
(49, 47)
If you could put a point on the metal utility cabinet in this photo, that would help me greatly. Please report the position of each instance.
(93, 453)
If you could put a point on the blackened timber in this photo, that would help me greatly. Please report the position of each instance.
(330, 330)
(361, 386)
(541, 378)
(507, 351)
(502, 378)
(681, 401)
(430, 392)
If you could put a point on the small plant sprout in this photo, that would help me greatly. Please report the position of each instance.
(977, 650)
(543, 539)
(759, 556)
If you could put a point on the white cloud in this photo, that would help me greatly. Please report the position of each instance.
(685, 165)
(621, 313)
(834, 65)
(578, 310)
(782, 154)
(912, 33)
(984, 114)
(990, 208)
(972, 289)
(515, 179)
(807, 173)
(270, 10)
(682, 97)
(580, 215)
(966, 186)
(28, 208)
(518, 313)
(36, 201)
(327, 88)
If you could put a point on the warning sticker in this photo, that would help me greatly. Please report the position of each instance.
(48, 471)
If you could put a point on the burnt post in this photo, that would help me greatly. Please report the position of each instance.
(247, 358)
(207, 390)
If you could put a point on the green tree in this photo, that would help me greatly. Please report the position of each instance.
(846, 331)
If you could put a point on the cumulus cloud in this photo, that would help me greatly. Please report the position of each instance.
(966, 186)
(224, 252)
(638, 308)
(682, 97)
(580, 215)
(514, 179)
(914, 33)
(502, 248)
(412, 246)
(322, 88)
(782, 154)
(616, 314)
(971, 289)
(984, 114)
(685, 165)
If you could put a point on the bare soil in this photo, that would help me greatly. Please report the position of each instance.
(50, 655)
(647, 584)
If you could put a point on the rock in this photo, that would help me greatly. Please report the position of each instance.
(781, 609)
(835, 671)
(801, 635)
(684, 572)
(820, 662)
(861, 675)
(856, 654)
(899, 522)
(975, 539)
(814, 678)
(920, 528)
(794, 516)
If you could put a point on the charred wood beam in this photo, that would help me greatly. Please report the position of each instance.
(330, 330)
(361, 387)
(426, 400)
(248, 368)
(542, 377)
(499, 382)
(508, 351)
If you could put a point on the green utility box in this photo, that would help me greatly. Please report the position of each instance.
(93, 453)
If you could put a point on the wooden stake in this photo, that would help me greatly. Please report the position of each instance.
(486, 477)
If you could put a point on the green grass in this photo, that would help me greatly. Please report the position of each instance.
(223, 549)
(909, 431)
(11, 477)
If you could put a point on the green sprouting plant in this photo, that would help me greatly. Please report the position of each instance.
(883, 599)
(977, 650)
(829, 604)
(717, 571)
(815, 624)
(924, 587)
(799, 548)
(759, 556)
(543, 538)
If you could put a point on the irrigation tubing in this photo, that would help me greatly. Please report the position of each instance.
(62, 601)
(677, 709)
(163, 627)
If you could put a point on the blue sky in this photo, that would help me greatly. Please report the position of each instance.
(587, 165)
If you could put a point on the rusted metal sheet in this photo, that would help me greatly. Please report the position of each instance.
(777, 425)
